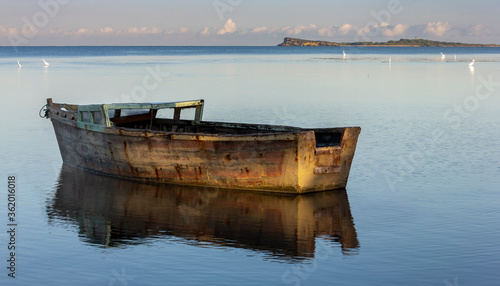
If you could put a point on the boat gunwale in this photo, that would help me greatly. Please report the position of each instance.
(135, 132)
(199, 136)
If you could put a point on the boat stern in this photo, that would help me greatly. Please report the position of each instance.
(324, 165)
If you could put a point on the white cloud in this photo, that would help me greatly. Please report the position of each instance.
(273, 30)
(143, 30)
(229, 27)
(9, 30)
(155, 30)
(397, 30)
(477, 30)
(437, 28)
(106, 30)
(368, 30)
(205, 32)
(133, 30)
(259, 29)
(184, 30)
(383, 29)
(331, 31)
(82, 31)
(297, 30)
(345, 29)
(328, 31)
(58, 31)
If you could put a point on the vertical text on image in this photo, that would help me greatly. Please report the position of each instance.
(11, 225)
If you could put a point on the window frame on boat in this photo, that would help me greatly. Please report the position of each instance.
(97, 116)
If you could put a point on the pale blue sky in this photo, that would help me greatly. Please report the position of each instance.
(243, 22)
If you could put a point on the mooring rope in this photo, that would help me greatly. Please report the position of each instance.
(45, 111)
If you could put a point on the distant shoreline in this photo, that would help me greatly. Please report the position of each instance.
(294, 42)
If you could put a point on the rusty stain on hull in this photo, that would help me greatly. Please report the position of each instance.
(203, 153)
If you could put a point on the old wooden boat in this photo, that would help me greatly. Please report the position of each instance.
(136, 141)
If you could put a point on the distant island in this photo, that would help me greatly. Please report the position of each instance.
(288, 42)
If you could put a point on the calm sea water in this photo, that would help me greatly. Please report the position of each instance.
(420, 208)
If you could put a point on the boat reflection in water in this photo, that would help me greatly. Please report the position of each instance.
(113, 213)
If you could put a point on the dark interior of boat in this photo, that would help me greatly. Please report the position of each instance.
(324, 136)
(146, 119)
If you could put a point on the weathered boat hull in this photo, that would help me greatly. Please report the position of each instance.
(282, 162)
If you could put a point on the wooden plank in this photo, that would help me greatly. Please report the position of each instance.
(177, 113)
(328, 150)
(327, 169)
(62, 113)
(198, 114)
(152, 114)
(161, 105)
